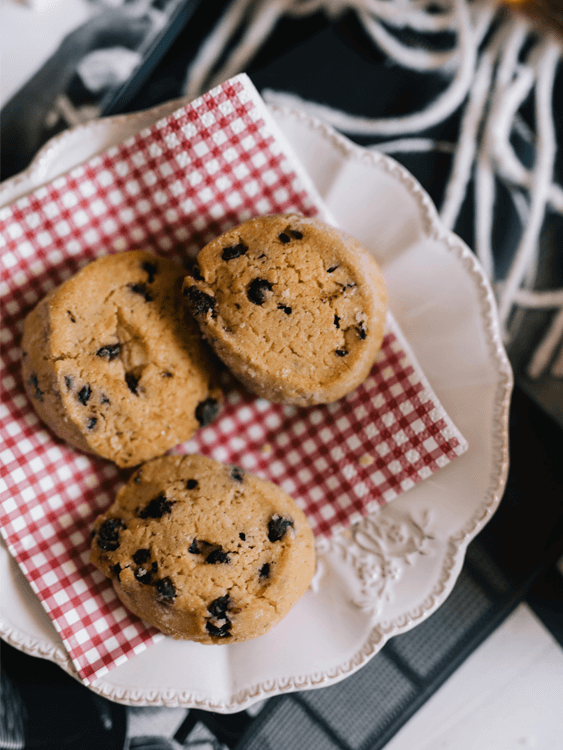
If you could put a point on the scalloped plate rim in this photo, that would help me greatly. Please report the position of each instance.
(457, 543)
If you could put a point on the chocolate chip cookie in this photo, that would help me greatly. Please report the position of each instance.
(114, 365)
(205, 551)
(295, 308)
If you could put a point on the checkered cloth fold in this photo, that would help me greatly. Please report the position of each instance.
(170, 189)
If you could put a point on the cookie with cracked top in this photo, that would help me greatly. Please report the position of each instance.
(224, 562)
(294, 307)
(115, 365)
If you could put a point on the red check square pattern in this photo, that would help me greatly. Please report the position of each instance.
(169, 190)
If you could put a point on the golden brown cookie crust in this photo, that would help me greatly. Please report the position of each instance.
(205, 551)
(114, 365)
(295, 308)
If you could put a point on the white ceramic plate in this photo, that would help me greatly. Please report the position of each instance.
(394, 569)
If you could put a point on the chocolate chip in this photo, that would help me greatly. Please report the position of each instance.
(116, 570)
(132, 382)
(104, 399)
(84, 394)
(91, 423)
(157, 507)
(71, 316)
(256, 291)
(34, 383)
(237, 474)
(109, 352)
(341, 352)
(68, 382)
(219, 606)
(154, 567)
(151, 269)
(142, 290)
(287, 310)
(201, 547)
(166, 589)
(242, 536)
(222, 632)
(296, 234)
(285, 238)
(137, 479)
(332, 269)
(24, 354)
(277, 527)
(199, 302)
(217, 556)
(362, 333)
(167, 374)
(191, 484)
(265, 571)
(143, 576)
(108, 534)
(194, 272)
(234, 252)
(141, 556)
(195, 547)
(337, 321)
(206, 411)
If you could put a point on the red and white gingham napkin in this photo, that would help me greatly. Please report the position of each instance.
(170, 189)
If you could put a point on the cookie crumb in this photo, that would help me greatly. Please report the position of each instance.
(366, 460)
